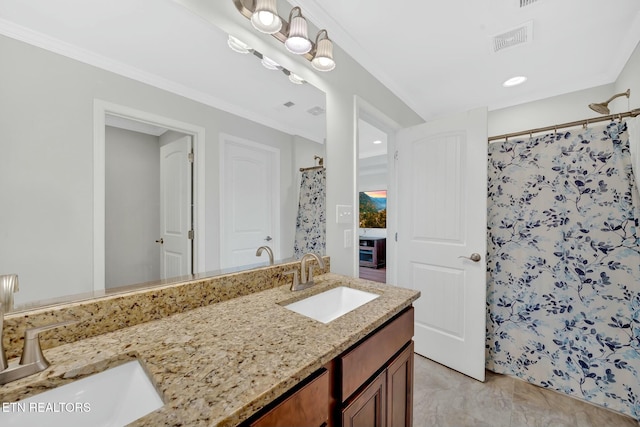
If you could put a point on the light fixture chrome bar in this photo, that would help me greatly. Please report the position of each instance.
(247, 8)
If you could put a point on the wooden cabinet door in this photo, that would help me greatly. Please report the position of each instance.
(400, 389)
(368, 409)
(308, 406)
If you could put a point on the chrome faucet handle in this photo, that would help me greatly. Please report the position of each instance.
(32, 352)
(307, 272)
(3, 357)
(296, 281)
(8, 286)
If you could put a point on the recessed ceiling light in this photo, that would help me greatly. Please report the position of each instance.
(377, 141)
(514, 81)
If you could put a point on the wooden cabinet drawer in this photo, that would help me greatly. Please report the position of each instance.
(359, 364)
(308, 406)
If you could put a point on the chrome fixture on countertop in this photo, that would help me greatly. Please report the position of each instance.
(306, 272)
(32, 360)
(269, 252)
(8, 286)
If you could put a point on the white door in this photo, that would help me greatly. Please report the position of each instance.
(175, 208)
(442, 195)
(250, 194)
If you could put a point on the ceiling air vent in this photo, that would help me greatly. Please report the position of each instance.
(316, 111)
(514, 37)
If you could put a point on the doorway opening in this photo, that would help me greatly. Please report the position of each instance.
(376, 195)
(128, 184)
(148, 202)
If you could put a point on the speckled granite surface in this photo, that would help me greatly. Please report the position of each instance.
(109, 313)
(218, 364)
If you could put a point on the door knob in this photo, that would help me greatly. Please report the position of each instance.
(160, 240)
(475, 257)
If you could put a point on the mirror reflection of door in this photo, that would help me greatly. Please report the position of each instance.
(250, 197)
(136, 208)
(176, 175)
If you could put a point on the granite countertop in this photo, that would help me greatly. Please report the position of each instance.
(219, 364)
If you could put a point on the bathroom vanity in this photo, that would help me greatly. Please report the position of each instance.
(370, 384)
(249, 361)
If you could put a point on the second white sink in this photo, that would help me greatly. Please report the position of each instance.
(115, 397)
(331, 304)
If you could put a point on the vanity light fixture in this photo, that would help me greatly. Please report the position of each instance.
(514, 81)
(264, 17)
(296, 79)
(237, 45)
(323, 57)
(270, 64)
(297, 41)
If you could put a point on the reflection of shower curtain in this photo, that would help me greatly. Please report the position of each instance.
(563, 298)
(310, 224)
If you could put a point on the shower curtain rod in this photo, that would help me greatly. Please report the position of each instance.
(320, 164)
(311, 168)
(585, 122)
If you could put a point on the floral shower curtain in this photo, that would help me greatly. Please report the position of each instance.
(563, 297)
(310, 223)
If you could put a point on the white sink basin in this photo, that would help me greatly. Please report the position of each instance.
(331, 304)
(115, 397)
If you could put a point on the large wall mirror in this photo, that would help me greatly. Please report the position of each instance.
(98, 102)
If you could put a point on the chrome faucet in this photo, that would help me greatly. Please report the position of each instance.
(306, 273)
(8, 286)
(269, 252)
(32, 360)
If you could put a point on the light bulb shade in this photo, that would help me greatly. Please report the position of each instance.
(297, 42)
(238, 46)
(323, 59)
(265, 17)
(296, 79)
(270, 64)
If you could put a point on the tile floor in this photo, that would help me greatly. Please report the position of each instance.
(446, 398)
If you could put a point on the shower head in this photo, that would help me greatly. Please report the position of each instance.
(600, 108)
(603, 108)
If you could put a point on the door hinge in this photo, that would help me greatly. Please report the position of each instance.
(191, 234)
(191, 156)
(395, 155)
(396, 236)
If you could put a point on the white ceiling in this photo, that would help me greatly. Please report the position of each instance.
(163, 44)
(436, 55)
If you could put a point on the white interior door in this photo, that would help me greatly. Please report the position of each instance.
(442, 182)
(250, 189)
(175, 208)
